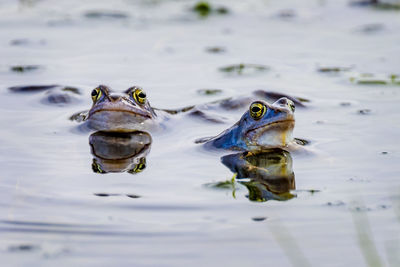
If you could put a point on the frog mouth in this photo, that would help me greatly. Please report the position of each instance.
(283, 124)
(274, 134)
(131, 111)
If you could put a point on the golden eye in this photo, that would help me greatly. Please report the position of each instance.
(291, 106)
(96, 94)
(257, 110)
(139, 167)
(139, 96)
(97, 168)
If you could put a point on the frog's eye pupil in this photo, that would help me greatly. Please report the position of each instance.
(255, 109)
(142, 94)
(94, 92)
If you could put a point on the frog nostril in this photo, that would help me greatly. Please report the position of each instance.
(114, 97)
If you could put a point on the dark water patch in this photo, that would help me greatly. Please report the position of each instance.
(364, 111)
(302, 142)
(345, 104)
(259, 219)
(45, 224)
(24, 68)
(103, 14)
(32, 88)
(105, 194)
(176, 111)
(209, 91)
(273, 96)
(244, 69)
(214, 118)
(287, 14)
(377, 4)
(333, 69)
(216, 50)
(26, 41)
(335, 203)
(59, 98)
(23, 248)
(102, 233)
(204, 9)
(133, 196)
(371, 28)
(384, 152)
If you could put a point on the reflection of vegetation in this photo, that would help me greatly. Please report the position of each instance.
(209, 91)
(243, 68)
(215, 49)
(365, 241)
(333, 69)
(106, 15)
(288, 244)
(26, 68)
(204, 9)
(372, 79)
(225, 185)
(377, 4)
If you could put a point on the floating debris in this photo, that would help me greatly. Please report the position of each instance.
(32, 88)
(333, 69)
(204, 9)
(24, 68)
(133, 196)
(215, 49)
(73, 90)
(364, 111)
(23, 248)
(209, 91)
(259, 219)
(105, 194)
(26, 41)
(242, 68)
(106, 15)
(372, 79)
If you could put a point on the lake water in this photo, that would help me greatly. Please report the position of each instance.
(345, 208)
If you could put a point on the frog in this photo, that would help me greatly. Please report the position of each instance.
(120, 112)
(131, 110)
(119, 152)
(262, 126)
(267, 174)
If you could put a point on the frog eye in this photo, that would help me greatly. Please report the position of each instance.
(96, 94)
(291, 106)
(139, 96)
(257, 110)
(139, 167)
(97, 168)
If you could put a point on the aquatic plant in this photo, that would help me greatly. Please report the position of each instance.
(204, 9)
(242, 68)
(372, 79)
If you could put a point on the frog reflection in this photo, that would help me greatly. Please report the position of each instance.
(269, 172)
(119, 152)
